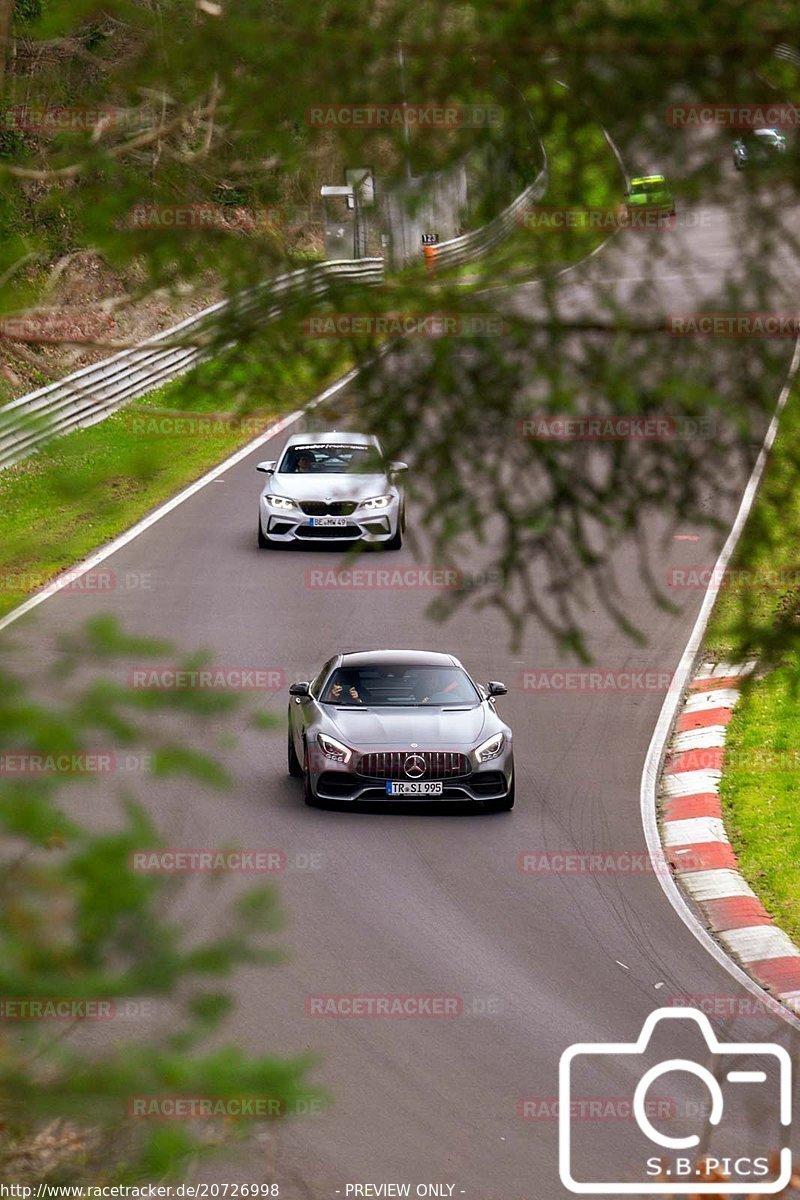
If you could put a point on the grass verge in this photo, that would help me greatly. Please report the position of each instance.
(757, 614)
(760, 792)
(84, 488)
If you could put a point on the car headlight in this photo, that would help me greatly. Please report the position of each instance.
(280, 502)
(333, 750)
(377, 502)
(490, 748)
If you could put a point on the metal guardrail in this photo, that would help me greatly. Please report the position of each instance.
(96, 391)
(787, 52)
(472, 245)
(93, 393)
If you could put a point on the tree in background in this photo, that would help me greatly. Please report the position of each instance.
(209, 103)
(206, 104)
(79, 924)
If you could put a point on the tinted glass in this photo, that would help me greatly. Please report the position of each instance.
(327, 460)
(400, 686)
(319, 679)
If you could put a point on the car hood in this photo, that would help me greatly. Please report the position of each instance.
(431, 728)
(324, 487)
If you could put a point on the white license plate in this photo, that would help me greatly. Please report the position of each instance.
(399, 787)
(329, 521)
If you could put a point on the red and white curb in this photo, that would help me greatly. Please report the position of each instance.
(697, 846)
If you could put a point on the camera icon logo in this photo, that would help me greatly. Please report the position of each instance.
(667, 1164)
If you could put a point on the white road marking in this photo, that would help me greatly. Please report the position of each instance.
(757, 942)
(691, 783)
(716, 698)
(666, 720)
(722, 883)
(694, 830)
(708, 738)
(724, 670)
(71, 573)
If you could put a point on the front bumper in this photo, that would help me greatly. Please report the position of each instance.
(649, 215)
(487, 781)
(292, 525)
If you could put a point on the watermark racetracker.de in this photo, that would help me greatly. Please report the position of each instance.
(213, 678)
(613, 427)
(733, 116)
(404, 116)
(549, 681)
(733, 324)
(399, 1006)
(734, 579)
(405, 324)
(97, 580)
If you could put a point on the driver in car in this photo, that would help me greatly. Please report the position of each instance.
(305, 462)
(344, 690)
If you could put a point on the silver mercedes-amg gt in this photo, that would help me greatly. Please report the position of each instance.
(403, 725)
(331, 486)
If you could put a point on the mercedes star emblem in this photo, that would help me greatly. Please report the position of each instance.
(414, 766)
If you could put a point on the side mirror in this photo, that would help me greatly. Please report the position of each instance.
(396, 467)
(495, 688)
(266, 467)
(299, 689)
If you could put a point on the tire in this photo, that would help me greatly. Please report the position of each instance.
(263, 542)
(308, 794)
(395, 542)
(293, 762)
(507, 803)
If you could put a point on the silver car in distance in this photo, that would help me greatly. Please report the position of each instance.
(399, 725)
(332, 487)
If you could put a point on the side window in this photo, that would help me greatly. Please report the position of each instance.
(316, 684)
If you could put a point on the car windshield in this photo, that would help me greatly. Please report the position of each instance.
(651, 188)
(399, 686)
(761, 137)
(334, 459)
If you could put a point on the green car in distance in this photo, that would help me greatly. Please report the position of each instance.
(649, 201)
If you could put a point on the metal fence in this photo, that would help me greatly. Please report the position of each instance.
(472, 245)
(96, 391)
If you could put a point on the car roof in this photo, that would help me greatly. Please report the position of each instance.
(774, 132)
(332, 438)
(648, 179)
(404, 658)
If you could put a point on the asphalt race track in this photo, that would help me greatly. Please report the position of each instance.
(413, 903)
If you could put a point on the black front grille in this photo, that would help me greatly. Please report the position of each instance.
(389, 764)
(318, 508)
(489, 783)
(328, 531)
(336, 783)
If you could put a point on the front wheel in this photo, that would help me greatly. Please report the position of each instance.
(308, 794)
(507, 803)
(396, 541)
(263, 542)
(294, 764)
